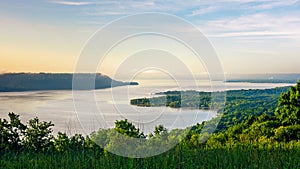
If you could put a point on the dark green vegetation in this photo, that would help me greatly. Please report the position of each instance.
(262, 135)
(203, 100)
(12, 82)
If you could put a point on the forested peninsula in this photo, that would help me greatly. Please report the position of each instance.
(17, 82)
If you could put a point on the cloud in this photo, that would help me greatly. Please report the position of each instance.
(255, 25)
(95, 12)
(202, 11)
(175, 6)
(262, 34)
(249, 18)
(143, 4)
(72, 3)
(273, 4)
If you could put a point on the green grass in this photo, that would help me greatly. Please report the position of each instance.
(244, 157)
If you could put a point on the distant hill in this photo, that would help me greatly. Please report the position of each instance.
(11, 82)
(263, 78)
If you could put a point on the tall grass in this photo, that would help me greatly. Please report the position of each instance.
(245, 157)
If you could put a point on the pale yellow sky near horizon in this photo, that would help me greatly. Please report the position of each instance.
(47, 36)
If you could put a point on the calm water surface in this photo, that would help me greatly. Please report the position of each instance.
(108, 105)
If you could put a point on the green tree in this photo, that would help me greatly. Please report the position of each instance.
(101, 137)
(11, 132)
(126, 128)
(4, 132)
(77, 142)
(61, 142)
(288, 109)
(38, 135)
(161, 131)
(287, 133)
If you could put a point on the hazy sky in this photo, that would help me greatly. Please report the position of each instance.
(250, 36)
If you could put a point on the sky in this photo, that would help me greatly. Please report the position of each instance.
(249, 36)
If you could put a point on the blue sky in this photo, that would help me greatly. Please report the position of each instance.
(250, 36)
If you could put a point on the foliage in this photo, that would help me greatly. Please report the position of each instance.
(288, 110)
(38, 135)
(11, 132)
(128, 129)
(61, 142)
(255, 131)
(267, 128)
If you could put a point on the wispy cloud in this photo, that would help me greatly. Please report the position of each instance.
(73, 3)
(256, 25)
(235, 18)
(273, 4)
(202, 11)
(262, 34)
(143, 4)
(103, 13)
(186, 7)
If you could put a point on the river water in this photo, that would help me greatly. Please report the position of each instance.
(105, 106)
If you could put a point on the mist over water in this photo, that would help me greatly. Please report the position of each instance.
(112, 104)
